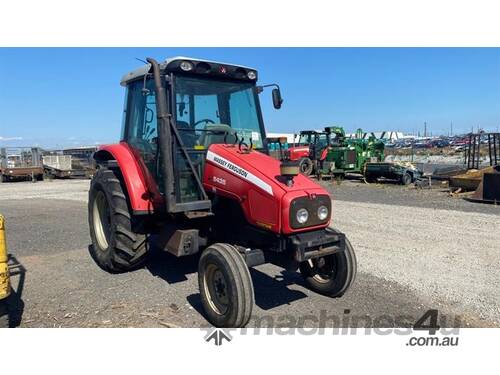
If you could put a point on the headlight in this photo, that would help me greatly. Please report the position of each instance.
(302, 215)
(186, 66)
(251, 74)
(322, 212)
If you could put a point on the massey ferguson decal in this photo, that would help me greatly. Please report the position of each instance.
(226, 164)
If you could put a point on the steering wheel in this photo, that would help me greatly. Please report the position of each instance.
(205, 120)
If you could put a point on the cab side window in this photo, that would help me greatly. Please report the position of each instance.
(141, 128)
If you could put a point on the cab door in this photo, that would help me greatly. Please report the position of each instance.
(140, 129)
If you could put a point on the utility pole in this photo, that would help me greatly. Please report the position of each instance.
(425, 129)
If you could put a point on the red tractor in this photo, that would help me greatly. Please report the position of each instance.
(192, 171)
(300, 151)
(305, 152)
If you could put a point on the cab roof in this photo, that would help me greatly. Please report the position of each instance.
(172, 64)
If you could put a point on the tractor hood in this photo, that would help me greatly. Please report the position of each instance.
(253, 179)
(259, 169)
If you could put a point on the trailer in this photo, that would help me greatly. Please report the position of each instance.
(70, 163)
(82, 162)
(405, 173)
(20, 163)
(57, 166)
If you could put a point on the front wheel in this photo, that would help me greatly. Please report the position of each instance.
(331, 275)
(226, 288)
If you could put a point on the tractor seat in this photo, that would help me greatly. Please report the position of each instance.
(215, 133)
(187, 134)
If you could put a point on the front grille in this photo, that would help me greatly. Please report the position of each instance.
(311, 205)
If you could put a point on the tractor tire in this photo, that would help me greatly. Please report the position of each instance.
(406, 179)
(332, 275)
(117, 246)
(4, 313)
(306, 166)
(226, 287)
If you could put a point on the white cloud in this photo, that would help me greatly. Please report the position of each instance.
(5, 139)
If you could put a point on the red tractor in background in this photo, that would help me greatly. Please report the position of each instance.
(192, 169)
(311, 148)
(300, 151)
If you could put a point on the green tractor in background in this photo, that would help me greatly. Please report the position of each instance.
(345, 155)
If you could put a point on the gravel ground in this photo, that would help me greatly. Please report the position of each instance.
(425, 232)
(389, 193)
(410, 260)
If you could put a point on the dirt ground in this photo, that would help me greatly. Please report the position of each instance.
(416, 249)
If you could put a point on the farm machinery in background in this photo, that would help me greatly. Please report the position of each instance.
(346, 155)
(301, 151)
(70, 163)
(331, 154)
(20, 163)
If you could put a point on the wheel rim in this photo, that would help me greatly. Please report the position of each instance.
(215, 286)
(322, 269)
(304, 166)
(102, 220)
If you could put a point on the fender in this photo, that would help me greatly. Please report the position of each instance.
(143, 196)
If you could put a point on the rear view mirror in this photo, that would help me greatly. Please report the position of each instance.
(277, 100)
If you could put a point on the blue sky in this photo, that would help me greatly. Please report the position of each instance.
(60, 97)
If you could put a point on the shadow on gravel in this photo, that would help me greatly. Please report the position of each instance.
(195, 301)
(170, 268)
(15, 302)
(271, 292)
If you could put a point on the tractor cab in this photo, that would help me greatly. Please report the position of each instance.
(306, 137)
(185, 105)
(319, 145)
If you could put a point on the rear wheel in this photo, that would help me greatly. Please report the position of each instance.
(331, 275)
(117, 244)
(406, 179)
(306, 166)
(226, 288)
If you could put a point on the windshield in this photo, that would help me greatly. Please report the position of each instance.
(211, 111)
(305, 139)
